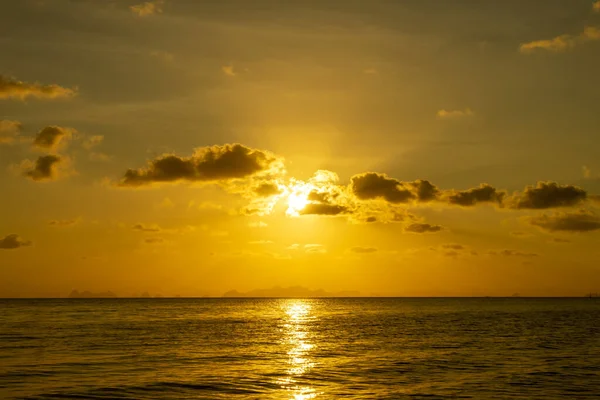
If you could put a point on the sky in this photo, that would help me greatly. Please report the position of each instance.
(395, 148)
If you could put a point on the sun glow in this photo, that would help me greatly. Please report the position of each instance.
(298, 197)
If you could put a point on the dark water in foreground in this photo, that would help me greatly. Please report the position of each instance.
(300, 349)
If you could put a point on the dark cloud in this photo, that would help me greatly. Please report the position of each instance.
(372, 185)
(363, 250)
(12, 88)
(323, 209)
(45, 168)
(482, 194)
(50, 137)
(371, 219)
(208, 164)
(548, 195)
(579, 221)
(267, 190)
(144, 228)
(422, 228)
(13, 241)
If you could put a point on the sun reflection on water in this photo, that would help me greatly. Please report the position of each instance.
(298, 337)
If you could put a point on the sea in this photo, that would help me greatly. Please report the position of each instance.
(334, 348)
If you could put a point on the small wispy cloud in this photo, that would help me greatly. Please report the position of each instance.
(64, 223)
(228, 70)
(454, 114)
(13, 88)
(370, 71)
(148, 8)
(561, 43)
(9, 131)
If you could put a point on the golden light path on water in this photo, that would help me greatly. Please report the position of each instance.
(298, 336)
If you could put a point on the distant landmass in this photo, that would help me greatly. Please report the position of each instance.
(292, 291)
(75, 294)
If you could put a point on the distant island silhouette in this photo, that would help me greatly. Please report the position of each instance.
(86, 294)
(292, 291)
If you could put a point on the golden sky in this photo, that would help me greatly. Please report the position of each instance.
(410, 148)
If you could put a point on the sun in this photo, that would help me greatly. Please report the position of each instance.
(298, 197)
(296, 202)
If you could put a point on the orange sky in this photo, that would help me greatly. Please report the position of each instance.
(416, 148)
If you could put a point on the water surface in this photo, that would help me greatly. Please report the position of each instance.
(300, 349)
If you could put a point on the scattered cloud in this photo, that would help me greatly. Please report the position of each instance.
(455, 114)
(267, 189)
(323, 209)
(146, 228)
(579, 221)
(261, 242)
(13, 88)
(561, 43)
(422, 228)
(512, 253)
(482, 194)
(51, 137)
(548, 195)
(92, 141)
(64, 223)
(45, 168)
(363, 250)
(13, 241)
(147, 8)
(163, 55)
(207, 164)
(9, 131)
(314, 248)
(453, 246)
(373, 185)
(154, 240)
(99, 156)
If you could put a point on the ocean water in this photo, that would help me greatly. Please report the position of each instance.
(300, 349)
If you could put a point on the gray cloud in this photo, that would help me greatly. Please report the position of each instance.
(579, 221)
(50, 137)
(422, 228)
(13, 241)
(208, 164)
(267, 190)
(323, 209)
(45, 168)
(12, 88)
(372, 185)
(482, 194)
(548, 195)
